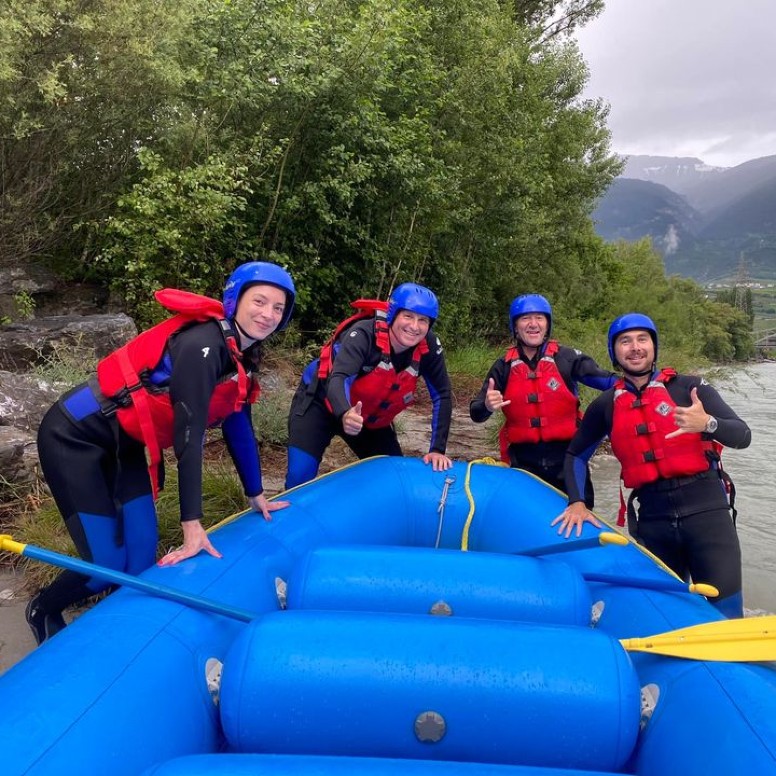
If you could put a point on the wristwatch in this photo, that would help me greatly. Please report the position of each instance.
(711, 425)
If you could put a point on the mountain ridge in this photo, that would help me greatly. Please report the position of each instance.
(701, 218)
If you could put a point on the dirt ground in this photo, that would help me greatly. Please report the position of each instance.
(15, 637)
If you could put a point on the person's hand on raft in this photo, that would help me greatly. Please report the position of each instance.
(439, 461)
(262, 505)
(195, 538)
(573, 516)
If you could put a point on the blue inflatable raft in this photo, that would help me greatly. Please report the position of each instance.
(406, 622)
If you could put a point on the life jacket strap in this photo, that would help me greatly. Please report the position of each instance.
(234, 351)
(144, 417)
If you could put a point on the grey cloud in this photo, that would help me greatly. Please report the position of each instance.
(686, 77)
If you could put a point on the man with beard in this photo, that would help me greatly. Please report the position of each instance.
(666, 430)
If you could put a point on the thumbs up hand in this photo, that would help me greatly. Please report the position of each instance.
(493, 398)
(692, 419)
(352, 421)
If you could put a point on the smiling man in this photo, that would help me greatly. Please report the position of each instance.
(535, 385)
(667, 431)
(365, 376)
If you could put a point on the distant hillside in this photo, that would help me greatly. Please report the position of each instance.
(679, 173)
(702, 219)
(714, 194)
(752, 213)
(632, 209)
(718, 260)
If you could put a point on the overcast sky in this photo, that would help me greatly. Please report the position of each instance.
(686, 77)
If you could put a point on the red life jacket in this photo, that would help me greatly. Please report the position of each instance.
(366, 308)
(144, 410)
(638, 436)
(383, 392)
(541, 408)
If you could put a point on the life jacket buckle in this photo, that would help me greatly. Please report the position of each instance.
(123, 398)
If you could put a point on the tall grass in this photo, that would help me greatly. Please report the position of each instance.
(66, 365)
(270, 417)
(473, 360)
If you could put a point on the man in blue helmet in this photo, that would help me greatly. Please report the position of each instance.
(365, 376)
(162, 389)
(535, 385)
(666, 430)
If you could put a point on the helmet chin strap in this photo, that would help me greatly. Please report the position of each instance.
(640, 373)
(244, 340)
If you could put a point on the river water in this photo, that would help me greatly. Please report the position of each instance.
(751, 392)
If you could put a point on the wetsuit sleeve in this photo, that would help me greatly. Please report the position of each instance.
(478, 412)
(244, 450)
(596, 424)
(199, 359)
(586, 370)
(433, 369)
(356, 350)
(731, 431)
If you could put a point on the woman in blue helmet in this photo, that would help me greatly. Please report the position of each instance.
(535, 386)
(364, 378)
(162, 389)
(666, 430)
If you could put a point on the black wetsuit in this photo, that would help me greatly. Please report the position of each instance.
(98, 474)
(312, 426)
(545, 459)
(685, 521)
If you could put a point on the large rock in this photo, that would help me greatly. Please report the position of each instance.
(81, 338)
(18, 458)
(79, 299)
(24, 400)
(29, 280)
(34, 283)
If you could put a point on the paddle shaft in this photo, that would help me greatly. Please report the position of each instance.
(572, 545)
(125, 580)
(670, 585)
(607, 538)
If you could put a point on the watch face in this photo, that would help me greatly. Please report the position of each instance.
(711, 426)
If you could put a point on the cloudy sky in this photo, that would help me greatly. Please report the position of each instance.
(686, 77)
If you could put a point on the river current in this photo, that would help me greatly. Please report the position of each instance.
(751, 392)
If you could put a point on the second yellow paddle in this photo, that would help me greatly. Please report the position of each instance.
(751, 639)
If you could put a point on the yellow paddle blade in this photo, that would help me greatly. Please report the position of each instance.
(751, 639)
(701, 588)
(610, 537)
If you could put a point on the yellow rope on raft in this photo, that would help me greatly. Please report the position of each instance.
(470, 498)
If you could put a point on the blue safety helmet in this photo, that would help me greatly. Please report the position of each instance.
(629, 322)
(418, 299)
(253, 273)
(529, 303)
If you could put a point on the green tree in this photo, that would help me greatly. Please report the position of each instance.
(82, 83)
(387, 141)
